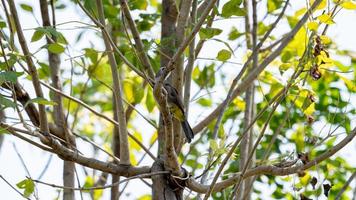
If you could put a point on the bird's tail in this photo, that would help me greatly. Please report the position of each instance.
(187, 130)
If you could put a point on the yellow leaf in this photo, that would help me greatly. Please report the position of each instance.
(298, 44)
(305, 179)
(133, 144)
(351, 85)
(298, 137)
(325, 39)
(285, 66)
(323, 58)
(107, 148)
(153, 138)
(145, 197)
(98, 194)
(239, 103)
(322, 5)
(300, 12)
(128, 90)
(310, 110)
(349, 5)
(313, 26)
(326, 19)
(133, 159)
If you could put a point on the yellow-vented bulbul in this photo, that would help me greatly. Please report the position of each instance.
(176, 108)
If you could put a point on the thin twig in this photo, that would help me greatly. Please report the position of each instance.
(9, 184)
(98, 114)
(345, 186)
(147, 175)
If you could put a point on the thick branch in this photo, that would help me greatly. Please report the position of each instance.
(124, 145)
(58, 115)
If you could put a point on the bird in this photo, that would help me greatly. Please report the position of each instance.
(176, 108)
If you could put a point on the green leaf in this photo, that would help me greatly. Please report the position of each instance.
(3, 131)
(207, 33)
(26, 7)
(6, 102)
(150, 101)
(214, 145)
(138, 4)
(224, 55)
(37, 35)
(43, 71)
(28, 186)
(234, 34)
(2, 24)
(231, 8)
(273, 5)
(204, 102)
(56, 48)
(9, 76)
(92, 54)
(42, 101)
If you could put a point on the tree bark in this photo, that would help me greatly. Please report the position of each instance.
(161, 189)
(58, 112)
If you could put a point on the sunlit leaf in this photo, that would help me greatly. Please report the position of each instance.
(145, 197)
(273, 5)
(150, 101)
(153, 138)
(326, 19)
(42, 101)
(350, 5)
(231, 8)
(207, 33)
(37, 35)
(26, 7)
(28, 185)
(313, 26)
(223, 55)
(56, 48)
(234, 34)
(205, 102)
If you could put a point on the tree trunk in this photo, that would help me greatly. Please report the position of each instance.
(162, 187)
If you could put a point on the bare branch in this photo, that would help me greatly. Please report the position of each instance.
(145, 175)
(136, 35)
(31, 66)
(117, 93)
(272, 170)
(256, 71)
(14, 188)
(100, 115)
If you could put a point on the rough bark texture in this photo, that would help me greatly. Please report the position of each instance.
(161, 189)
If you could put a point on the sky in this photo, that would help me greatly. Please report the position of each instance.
(13, 170)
